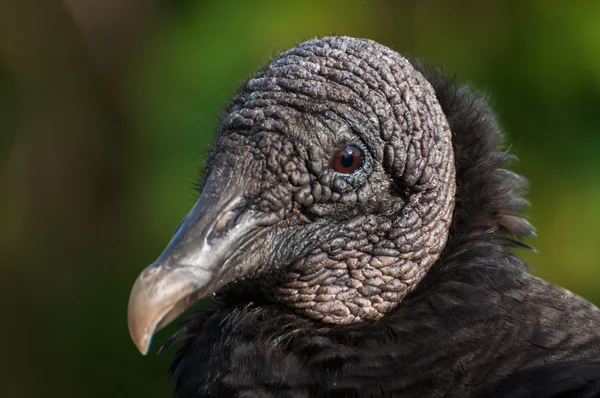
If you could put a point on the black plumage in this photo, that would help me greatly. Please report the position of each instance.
(475, 323)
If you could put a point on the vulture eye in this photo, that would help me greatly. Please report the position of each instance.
(348, 160)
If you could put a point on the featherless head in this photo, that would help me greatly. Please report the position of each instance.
(330, 189)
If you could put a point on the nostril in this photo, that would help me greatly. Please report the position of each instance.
(227, 219)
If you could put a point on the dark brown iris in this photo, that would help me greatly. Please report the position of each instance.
(348, 160)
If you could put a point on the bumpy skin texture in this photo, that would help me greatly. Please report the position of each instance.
(376, 232)
(433, 208)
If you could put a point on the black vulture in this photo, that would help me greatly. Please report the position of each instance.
(356, 227)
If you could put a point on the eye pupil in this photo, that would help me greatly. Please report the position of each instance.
(348, 160)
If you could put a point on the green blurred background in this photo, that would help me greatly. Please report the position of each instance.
(107, 109)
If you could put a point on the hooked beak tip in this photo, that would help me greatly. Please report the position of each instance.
(140, 329)
(142, 342)
(160, 294)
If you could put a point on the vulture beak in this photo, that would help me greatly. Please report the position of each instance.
(195, 263)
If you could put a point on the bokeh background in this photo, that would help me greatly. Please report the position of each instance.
(107, 109)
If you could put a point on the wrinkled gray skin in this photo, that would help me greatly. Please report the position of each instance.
(274, 217)
(343, 247)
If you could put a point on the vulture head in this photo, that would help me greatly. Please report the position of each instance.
(337, 180)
